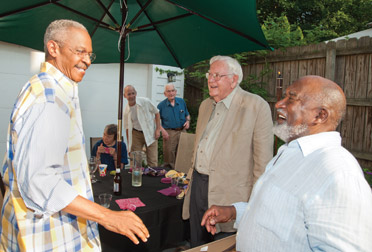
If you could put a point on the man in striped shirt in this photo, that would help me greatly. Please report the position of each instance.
(313, 195)
(48, 203)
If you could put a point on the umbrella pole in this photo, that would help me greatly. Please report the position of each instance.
(121, 89)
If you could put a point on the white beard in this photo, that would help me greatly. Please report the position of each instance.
(286, 132)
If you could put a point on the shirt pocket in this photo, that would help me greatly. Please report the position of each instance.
(278, 212)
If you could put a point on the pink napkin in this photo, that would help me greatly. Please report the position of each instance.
(166, 180)
(170, 191)
(130, 204)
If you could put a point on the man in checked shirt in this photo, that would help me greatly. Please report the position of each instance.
(48, 203)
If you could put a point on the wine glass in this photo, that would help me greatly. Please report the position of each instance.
(92, 169)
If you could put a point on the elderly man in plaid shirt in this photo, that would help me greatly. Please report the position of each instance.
(48, 203)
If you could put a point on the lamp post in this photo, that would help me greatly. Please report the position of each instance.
(279, 89)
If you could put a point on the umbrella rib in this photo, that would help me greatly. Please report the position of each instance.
(140, 11)
(96, 27)
(222, 25)
(162, 38)
(86, 16)
(26, 8)
(108, 12)
(162, 21)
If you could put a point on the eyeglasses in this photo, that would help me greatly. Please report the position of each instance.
(216, 76)
(83, 54)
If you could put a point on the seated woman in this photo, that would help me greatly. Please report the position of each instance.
(105, 150)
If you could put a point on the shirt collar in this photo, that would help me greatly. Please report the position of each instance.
(168, 102)
(228, 99)
(68, 85)
(311, 143)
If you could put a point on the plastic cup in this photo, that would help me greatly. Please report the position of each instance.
(105, 199)
(102, 170)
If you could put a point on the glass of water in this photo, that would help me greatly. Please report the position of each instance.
(92, 169)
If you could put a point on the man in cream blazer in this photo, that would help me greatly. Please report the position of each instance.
(233, 144)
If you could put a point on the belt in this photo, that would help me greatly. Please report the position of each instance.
(137, 130)
(177, 129)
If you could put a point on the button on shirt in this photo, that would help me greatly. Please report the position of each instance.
(312, 197)
(210, 134)
(173, 117)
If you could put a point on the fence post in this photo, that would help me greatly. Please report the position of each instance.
(330, 71)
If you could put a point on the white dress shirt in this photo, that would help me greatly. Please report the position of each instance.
(312, 197)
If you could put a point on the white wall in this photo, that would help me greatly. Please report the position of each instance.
(98, 91)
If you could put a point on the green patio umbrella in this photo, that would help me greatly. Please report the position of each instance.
(167, 32)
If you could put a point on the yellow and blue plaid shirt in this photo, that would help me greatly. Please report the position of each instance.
(45, 169)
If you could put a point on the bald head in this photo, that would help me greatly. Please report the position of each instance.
(325, 94)
(130, 94)
(312, 105)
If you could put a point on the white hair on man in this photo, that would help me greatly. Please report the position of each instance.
(58, 31)
(169, 85)
(233, 65)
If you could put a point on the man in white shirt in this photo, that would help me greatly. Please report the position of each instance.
(142, 124)
(313, 195)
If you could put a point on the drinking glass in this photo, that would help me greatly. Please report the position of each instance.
(105, 199)
(174, 183)
(92, 169)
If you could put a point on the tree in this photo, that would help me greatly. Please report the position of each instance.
(319, 20)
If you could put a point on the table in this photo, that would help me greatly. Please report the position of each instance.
(162, 215)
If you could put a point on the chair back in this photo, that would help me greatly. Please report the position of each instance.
(93, 141)
(184, 152)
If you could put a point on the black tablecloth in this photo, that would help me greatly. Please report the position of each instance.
(161, 215)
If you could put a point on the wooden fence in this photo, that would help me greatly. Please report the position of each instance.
(347, 62)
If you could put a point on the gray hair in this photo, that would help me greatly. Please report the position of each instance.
(169, 84)
(232, 64)
(57, 31)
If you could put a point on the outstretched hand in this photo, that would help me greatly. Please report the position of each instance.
(217, 214)
(127, 223)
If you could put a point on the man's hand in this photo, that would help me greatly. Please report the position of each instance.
(157, 134)
(165, 134)
(186, 125)
(217, 214)
(126, 223)
(123, 222)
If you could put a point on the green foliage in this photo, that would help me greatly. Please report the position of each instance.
(319, 20)
(194, 111)
(160, 151)
(162, 71)
(280, 33)
(368, 175)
